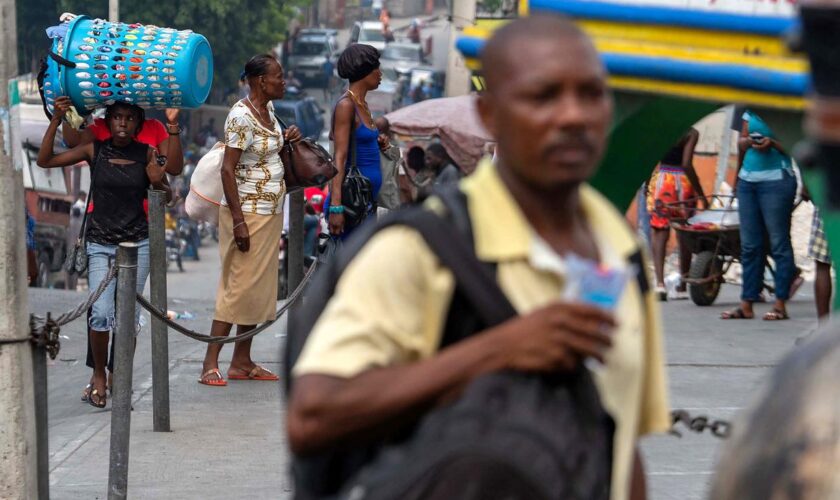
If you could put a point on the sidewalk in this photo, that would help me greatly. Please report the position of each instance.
(225, 442)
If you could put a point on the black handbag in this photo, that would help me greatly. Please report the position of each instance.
(357, 190)
(77, 261)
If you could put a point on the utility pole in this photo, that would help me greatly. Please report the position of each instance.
(114, 10)
(18, 442)
(461, 15)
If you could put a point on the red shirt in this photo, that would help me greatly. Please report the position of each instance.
(316, 196)
(153, 133)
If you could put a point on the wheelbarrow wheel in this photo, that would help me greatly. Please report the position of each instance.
(703, 291)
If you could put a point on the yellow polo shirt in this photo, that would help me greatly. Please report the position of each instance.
(391, 304)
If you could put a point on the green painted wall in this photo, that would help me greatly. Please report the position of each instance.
(645, 126)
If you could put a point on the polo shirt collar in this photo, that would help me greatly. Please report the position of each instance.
(501, 231)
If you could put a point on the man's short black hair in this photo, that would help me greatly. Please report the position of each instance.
(496, 50)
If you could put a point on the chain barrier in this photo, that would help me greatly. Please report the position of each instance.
(161, 315)
(74, 314)
(44, 332)
(718, 428)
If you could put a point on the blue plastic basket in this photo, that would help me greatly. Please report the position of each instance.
(143, 65)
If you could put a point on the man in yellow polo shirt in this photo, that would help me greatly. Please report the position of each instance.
(373, 356)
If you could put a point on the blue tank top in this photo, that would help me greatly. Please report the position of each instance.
(367, 154)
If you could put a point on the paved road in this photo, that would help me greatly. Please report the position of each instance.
(714, 368)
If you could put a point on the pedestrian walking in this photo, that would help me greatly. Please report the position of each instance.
(32, 270)
(359, 64)
(250, 220)
(766, 188)
(373, 359)
(818, 251)
(673, 191)
(166, 139)
(122, 171)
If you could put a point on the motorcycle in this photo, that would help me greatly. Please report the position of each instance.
(175, 247)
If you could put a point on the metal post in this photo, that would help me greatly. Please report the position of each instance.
(462, 14)
(39, 375)
(113, 10)
(18, 464)
(160, 334)
(295, 271)
(123, 367)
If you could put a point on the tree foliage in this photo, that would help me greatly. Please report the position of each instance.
(236, 29)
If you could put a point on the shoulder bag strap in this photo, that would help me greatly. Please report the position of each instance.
(351, 145)
(288, 145)
(474, 278)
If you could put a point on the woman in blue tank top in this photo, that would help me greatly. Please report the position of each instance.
(359, 64)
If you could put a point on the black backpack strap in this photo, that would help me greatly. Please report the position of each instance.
(473, 278)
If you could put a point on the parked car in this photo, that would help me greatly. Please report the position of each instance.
(303, 111)
(399, 58)
(310, 52)
(370, 33)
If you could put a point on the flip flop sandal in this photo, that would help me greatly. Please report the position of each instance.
(776, 315)
(736, 313)
(86, 393)
(216, 382)
(257, 373)
(100, 397)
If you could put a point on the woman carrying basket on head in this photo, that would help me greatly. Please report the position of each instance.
(122, 170)
(250, 220)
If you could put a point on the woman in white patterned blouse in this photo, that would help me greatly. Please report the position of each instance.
(250, 220)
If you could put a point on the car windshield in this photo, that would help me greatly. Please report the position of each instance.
(390, 73)
(372, 35)
(308, 49)
(401, 53)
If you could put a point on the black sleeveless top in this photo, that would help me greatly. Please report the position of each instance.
(118, 192)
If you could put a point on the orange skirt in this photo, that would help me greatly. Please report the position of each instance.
(668, 186)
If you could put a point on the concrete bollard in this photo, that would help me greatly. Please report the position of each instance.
(123, 368)
(160, 333)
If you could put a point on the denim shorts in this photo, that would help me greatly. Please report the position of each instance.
(100, 259)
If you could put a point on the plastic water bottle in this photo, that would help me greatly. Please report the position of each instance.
(172, 315)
